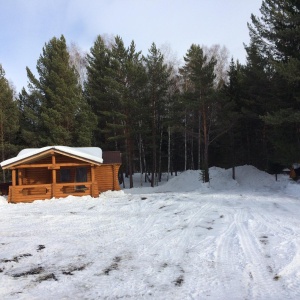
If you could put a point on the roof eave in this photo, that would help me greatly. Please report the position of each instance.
(45, 153)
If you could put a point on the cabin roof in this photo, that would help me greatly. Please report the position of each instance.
(92, 154)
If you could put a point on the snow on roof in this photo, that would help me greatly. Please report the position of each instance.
(89, 153)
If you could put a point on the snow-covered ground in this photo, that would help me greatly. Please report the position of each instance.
(181, 240)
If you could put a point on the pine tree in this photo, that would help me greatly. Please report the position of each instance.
(231, 146)
(158, 80)
(277, 31)
(189, 112)
(30, 122)
(64, 115)
(200, 71)
(258, 98)
(125, 84)
(276, 35)
(9, 119)
(96, 93)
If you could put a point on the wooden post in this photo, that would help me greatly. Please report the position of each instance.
(53, 194)
(11, 192)
(20, 176)
(93, 180)
(95, 188)
(114, 176)
(13, 177)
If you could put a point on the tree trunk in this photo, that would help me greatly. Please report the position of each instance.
(206, 170)
(185, 144)
(129, 144)
(169, 151)
(130, 171)
(192, 154)
(159, 161)
(130, 161)
(199, 143)
(233, 172)
(140, 159)
(153, 142)
(144, 159)
(232, 154)
(2, 145)
(206, 141)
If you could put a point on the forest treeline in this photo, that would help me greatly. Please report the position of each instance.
(161, 116)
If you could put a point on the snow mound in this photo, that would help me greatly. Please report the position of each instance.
(3, 200)
(185, 182)
(221, 179)
(112, 194)
(247, 178)
(293, 189)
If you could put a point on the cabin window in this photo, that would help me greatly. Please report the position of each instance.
(81, 174)
(65, 175)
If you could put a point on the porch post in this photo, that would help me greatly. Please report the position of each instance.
(53, 176)
(20, 176)
(92, 179)
(114, 176)
(13, 177)
(11, 191)
(94, 189)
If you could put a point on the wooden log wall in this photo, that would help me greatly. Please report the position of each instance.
(29, 193)
(36, 176)
(107, 177)
(63, 190)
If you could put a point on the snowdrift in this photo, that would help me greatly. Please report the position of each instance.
(247, 178)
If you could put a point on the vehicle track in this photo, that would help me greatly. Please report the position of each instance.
(228, 257)
(287, 244)
(261, 283)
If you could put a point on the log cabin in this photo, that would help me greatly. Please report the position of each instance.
(60, 171)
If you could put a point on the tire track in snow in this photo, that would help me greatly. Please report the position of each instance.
(228, 258)
(261, 283)
(273, 224)
(292, 270)
(286, 244)
(175, 242)
(171, 249)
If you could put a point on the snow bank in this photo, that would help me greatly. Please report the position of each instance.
(185, 182)
(247, 178)
(250, 177)
(293, 189)
(3, 200)
(221, 179)
(112, 194)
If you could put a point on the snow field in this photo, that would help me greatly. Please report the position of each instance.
(181, 240)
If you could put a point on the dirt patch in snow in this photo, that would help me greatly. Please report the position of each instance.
(15, 258)
(113, 266)
(32, 271)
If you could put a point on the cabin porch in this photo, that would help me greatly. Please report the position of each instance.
(29, 193)
(37, 183)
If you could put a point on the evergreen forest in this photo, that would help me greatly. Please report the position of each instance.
(164, 117)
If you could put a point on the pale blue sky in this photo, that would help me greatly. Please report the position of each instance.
(26, 25)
